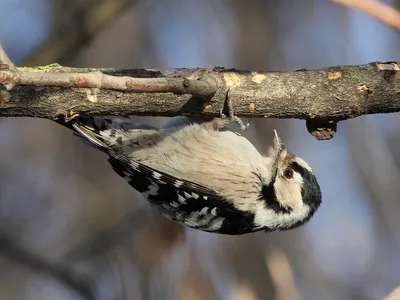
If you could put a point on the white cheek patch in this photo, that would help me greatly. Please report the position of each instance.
(288, 192)
(265, 217)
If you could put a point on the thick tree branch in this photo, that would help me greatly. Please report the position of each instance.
(321, 97)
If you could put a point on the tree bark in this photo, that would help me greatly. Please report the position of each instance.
(321, 97)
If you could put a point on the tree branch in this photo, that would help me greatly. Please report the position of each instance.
(59, 77)
(321, 97)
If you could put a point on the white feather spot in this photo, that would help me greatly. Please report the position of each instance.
(156, 175)
(192, 220)
(214, 211)
(195, 196)
(181, 199)
(205, 222)
(105, 133)
(174, 204)
(134, 165)
(215, 224)
(187, 195)
(204, 210)
(153, 191)
(178, 183)
(205, 197)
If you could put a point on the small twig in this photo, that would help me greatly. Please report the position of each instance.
(281, 273)
(394, 295)
(377, 9)
(178, 85)
(5, 62)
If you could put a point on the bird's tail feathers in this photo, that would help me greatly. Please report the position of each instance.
(108, 133)
(90, 136)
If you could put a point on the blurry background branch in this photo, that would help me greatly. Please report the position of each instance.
(394, 295)
(322, 97)
(87, 20)
(60, 202)
(65, 275)
(377, 9)
(76, 31)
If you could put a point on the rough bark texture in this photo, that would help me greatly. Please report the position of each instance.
(322, 97)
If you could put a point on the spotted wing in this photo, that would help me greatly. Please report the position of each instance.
(180, 200)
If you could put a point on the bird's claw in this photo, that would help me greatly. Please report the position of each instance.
(228, 106)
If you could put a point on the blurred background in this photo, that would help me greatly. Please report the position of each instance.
(70, 228)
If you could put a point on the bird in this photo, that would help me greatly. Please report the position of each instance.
(201, 174)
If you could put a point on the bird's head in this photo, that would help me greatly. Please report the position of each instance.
(292, 194)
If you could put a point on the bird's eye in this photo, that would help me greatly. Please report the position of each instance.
(288, 173)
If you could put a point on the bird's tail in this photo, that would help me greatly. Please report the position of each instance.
(107, 132)
(89, 136)
(89, 130)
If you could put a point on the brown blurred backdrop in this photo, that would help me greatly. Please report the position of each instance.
(70, 228)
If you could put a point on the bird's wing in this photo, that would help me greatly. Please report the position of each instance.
(188, 202)
(134, 170)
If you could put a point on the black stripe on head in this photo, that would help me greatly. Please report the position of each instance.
(269, 197)
(268, 194)
(310, 192)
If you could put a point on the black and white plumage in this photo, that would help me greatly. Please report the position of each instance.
(205, 176)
